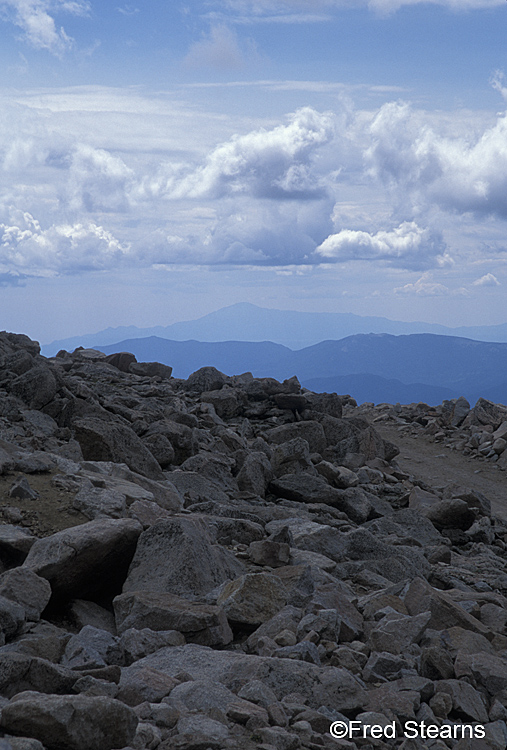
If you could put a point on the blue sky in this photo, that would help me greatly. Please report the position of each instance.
(160, 160)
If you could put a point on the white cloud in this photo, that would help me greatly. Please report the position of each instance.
(220, 50)
(426, 287)
(98, 181)
(275, 10)
(408, 246)
(389, 6)
(285, 194)
(273, 163)
(488, 279)
(465, 174)
(27, 249)
(35, 18)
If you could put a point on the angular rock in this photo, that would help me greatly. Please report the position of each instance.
(200, 623)
(311, 431)
(157, 562)
(253, 598)
(267, 552)
(25, 588)
(70, 722)
(94, 502)
(151, 370)
(465, 699)
(396, 632)
(143, 682)
(20, 672)
(92, 648)
(12, 617)
(226, 401)
(137, 644)
(292, 457)
(15, 543)
(85, 613)
(113, 441)
(421, 597)
(319, 685)
(255, 474)
(37, 387)
(79, 561)
(487, 670)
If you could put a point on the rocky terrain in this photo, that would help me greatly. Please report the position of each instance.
(237, 563)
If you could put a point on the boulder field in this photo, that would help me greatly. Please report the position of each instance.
(235, 563)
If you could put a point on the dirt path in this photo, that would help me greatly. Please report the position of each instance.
(438, 466)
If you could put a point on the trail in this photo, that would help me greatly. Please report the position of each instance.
(438, 466)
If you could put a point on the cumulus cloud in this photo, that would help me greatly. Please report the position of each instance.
(426, 287)
(27, 249)
(98, 181)
(408, 246)
(35, 18)
(459, 174)
(264, 163)
(488, 279)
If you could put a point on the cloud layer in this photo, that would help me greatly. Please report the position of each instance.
(392, 189)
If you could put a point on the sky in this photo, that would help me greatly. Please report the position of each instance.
(161, 160)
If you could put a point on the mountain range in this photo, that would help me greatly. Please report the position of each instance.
(295, 330)
(372, 358)
(371, 367)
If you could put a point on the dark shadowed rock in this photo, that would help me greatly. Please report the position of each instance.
(70, 722)
(200, 623)
(37, 387)
(24, 587)
(151, 370)
(311, 431)
(120, 360)
(206, 379)
(319, 685)
(85, 559)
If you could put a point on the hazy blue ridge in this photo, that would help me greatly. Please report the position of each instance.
(296, 330)
(447, 366)
(367, 387)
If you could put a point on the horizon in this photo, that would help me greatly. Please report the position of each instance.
(334, 157)
(280, 339)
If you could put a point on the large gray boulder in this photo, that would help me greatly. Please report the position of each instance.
(37, 387)
(308, 430)
(177, 555)
(70, 722)
(395, 562)
(200, 623)
(102, 440)
(20, 672)
(320, 686)
(86, 559)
